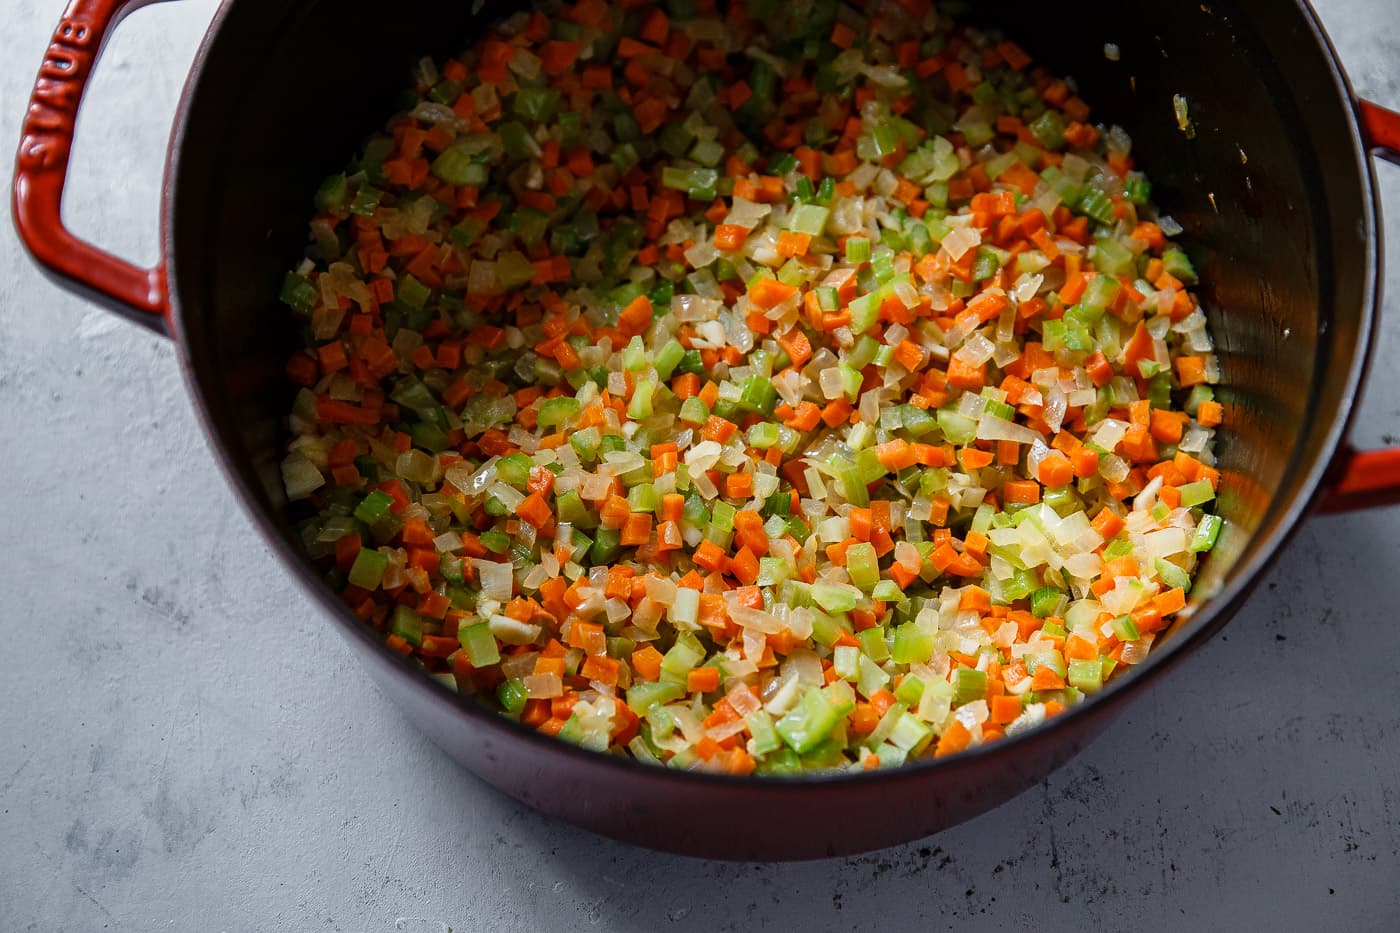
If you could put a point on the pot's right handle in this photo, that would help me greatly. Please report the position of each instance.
(41, 168)
(1368, 478)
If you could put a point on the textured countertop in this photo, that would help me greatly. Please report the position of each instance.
(185, 744)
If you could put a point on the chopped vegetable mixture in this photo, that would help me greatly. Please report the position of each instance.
(755, 388)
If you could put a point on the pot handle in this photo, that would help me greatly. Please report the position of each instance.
(1369, 478)
(41, 168)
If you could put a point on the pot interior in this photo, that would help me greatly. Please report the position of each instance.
(1270, 189)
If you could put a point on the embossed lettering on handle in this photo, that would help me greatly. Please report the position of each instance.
(41, 168)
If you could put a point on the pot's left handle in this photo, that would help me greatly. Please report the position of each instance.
(41, 168)
(1367, 478)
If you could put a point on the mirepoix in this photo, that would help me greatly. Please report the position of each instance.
(753, 387)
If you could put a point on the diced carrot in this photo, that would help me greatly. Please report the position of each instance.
(1056, 471)
(744, 566)
(974, 598)
(710, 556)
(702, 680)
(1080, 649)
(1085, 462)
(1209, 414)
(964, 375)
(749, 533)
(796, 345)
(793, 244)
(974, 459)
(730, 236)
(1022, 491)
(1190, 370)
(769, 293)
(1166, 426)
(738, 485)
(1005, 709)
(636, 317)
(1173, 600)
(896, 455)
(954, 739)
(636, 530)
(646, 661)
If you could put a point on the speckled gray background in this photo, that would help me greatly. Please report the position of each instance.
(185, 745)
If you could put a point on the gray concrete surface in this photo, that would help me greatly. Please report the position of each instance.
(185, 745)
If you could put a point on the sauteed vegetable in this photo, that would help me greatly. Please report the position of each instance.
(766, 387)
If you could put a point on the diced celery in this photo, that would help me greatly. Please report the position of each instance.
(368, 568)
(872, 643)
(1125, 629)
(659, 718)
(722, 516)
(846, 660)
(809, 219)
(641, 404)
(1193, 494)
(809, 722)
(373, 507)
(643, 498)
(1171, 574)
(773, 570)
(968, 684)
(1086, 675)
(1178, 264)
(536, 103)
(684, 656)
(1096, 205)
(332, 194)
(826, 630)
(514, 469)
(456, 167)
(642, 697)
(668, 358)
(298, 293)
(1118, 547)
(694, 410)
(479, 644)
(1101, 292)
(407, 624)
(887, 591)
(865, 311)
(1206, 533)
(835, 597)
(758, 396)
(558, 410)
(910, 733)
(1045, 601)
(871, 677)
(910, 689)
(957, 428)
(513, 269)
(911, 644)
(607, 544)
(1137, 190)
(512, 696)
(765, 736)
(585, 443)
(863, 565)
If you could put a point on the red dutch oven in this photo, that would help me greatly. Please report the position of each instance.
(1275, 190)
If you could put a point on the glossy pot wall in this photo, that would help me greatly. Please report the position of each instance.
(1275, 191)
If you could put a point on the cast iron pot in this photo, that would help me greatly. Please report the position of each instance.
(1275, 190)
